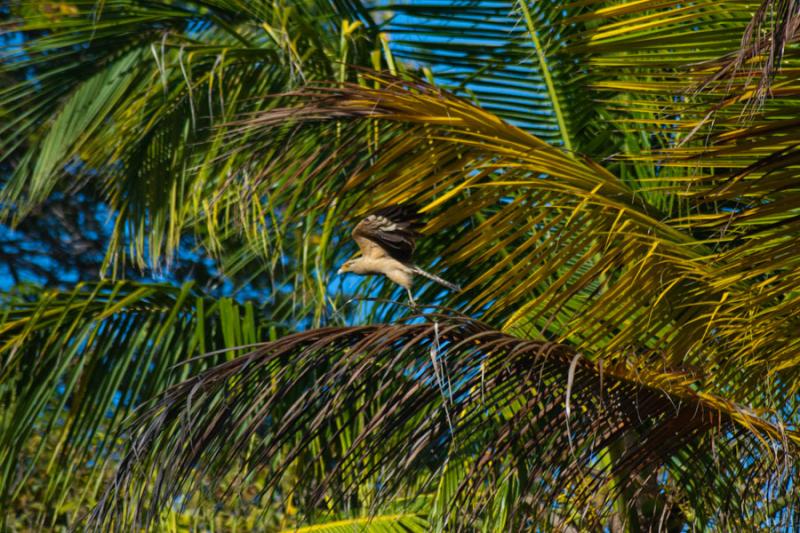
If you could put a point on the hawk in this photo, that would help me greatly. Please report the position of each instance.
(387, 241)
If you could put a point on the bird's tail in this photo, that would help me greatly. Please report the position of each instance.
(437, 279)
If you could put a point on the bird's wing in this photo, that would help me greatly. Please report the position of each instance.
(389, 231)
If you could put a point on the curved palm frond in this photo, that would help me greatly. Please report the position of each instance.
(557, 246)
(146, 84)
(74, 364)
(408, 400)
(726, 149)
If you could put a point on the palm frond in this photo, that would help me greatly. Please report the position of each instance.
(774, 26)
(508, 57)
(398, 523)
(158, 77)
(74, 364)
(547, 244)
(414, 397)
(724, 59)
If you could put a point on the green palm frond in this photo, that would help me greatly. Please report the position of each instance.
(721, 58)
(701, 91)
(508, 56)
(546, 244)
(398, 523)
(76, 363)
(158, 77)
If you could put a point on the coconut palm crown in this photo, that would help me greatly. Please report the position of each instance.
(613, 183)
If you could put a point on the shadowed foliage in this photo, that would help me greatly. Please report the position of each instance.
(452, 403)
(75, 363)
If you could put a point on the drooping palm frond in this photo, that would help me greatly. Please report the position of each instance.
(685, 74)
(145, 85)
(719, 111)
(549, 244)
(74, 364)
(404, 401)
(670, 268)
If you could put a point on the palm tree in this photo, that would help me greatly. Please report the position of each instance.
(610, 182)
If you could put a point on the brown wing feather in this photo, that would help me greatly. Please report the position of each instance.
(389, 231)
(368, 248)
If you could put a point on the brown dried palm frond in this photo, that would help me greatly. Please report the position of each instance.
(774, 26)
(375, 406)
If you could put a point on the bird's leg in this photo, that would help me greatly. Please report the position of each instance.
(411, 298)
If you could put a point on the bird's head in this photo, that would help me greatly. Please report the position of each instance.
(347, 266)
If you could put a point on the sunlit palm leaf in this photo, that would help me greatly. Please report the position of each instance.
(722, 57)
(400, 523)
(551, 245)
(508, 56)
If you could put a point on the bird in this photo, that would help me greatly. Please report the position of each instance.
(387, 239)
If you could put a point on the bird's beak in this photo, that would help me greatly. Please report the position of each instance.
(339, 271)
